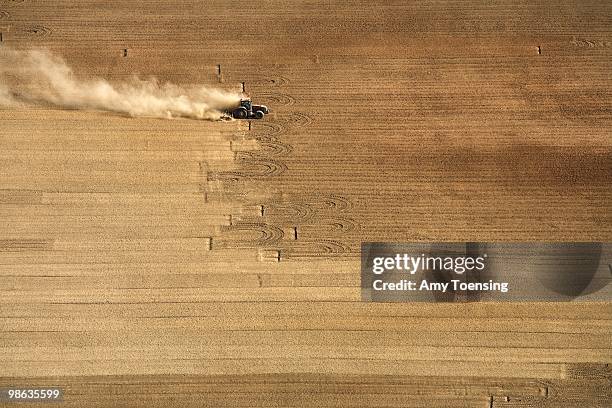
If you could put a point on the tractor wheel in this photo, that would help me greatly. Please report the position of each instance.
(259, 114)
(240, 114)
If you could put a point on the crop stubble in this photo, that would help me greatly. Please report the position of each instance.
(225, 255)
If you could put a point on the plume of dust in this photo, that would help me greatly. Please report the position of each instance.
(40, 78)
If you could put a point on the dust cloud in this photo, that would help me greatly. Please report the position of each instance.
(38, 77)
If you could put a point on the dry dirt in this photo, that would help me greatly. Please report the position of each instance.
(176, 263)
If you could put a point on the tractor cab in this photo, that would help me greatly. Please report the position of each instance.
(246, 104)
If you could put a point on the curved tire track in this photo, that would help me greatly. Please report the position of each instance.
(252, 166)
(338, 224)
(295, 119)
(336, 202)
(275, 148)
(38, 31)
(278, 99)
(267, 234)
(295, 212)
(266, 130)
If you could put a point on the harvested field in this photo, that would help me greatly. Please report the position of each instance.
(178, 263)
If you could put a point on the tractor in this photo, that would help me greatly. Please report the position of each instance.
(247, 110)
